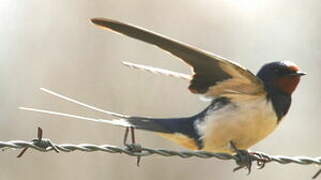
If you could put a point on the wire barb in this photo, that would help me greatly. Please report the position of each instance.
(316, 174)
(39, 142)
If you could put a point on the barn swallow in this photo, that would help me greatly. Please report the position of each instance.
(244, 108)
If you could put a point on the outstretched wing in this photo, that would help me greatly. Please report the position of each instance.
(213, 75)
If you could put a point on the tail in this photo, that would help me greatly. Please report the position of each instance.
(156, 70)
(149, 124)
(170, 125)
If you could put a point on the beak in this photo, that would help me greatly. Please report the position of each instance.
(298, 73)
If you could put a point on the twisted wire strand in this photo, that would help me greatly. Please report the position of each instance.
(45, 145)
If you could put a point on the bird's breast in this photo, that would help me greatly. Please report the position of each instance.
(244, 123)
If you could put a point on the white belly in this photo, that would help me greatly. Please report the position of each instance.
(244, 124)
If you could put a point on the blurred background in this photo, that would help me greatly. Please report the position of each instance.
(52, 44)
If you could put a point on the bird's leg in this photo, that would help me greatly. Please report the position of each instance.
(132, 132)
(126, 136)
(244, 158)
(133, 146)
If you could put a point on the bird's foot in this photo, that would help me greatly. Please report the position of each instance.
(245, 159)
(133, 147)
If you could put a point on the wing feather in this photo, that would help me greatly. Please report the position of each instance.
(209, 69)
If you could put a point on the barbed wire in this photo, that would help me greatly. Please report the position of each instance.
(46, 145)
(17, 144)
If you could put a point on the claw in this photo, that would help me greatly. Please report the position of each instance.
(244, 159)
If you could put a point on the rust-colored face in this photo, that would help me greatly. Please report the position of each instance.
(289, 78)
(283, 76)
(288, 84)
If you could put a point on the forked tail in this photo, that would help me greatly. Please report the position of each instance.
(170, 125)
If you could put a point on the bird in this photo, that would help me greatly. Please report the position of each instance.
(243, 109)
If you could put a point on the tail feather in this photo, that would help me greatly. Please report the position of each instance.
(156, 70)
(117, 122)
(149, 124)
(163, 125)
(83, 104)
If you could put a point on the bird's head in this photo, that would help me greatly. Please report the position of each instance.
(282, 76)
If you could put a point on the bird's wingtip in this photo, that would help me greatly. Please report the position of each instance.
(126, 63)
(101, 21)
(96, 20)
